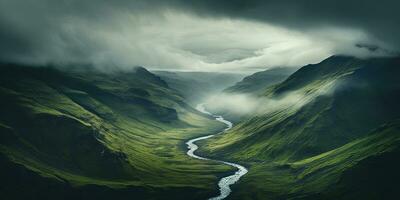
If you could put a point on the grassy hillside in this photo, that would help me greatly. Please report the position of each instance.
(87, 134)
(309, 145)
(366, 168)
(197, 86)
(260, 80)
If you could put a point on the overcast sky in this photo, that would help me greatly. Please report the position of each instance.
(213, 35)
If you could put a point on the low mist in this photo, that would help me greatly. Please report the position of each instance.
(240, 104)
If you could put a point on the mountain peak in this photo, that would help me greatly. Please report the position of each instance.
(140, 69)
(146, 74)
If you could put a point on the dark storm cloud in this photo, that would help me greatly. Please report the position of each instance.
(74, 31)
(380, 18)
(28, 26)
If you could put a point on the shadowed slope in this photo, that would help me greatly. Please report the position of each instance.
(339, 102)
(121, 133)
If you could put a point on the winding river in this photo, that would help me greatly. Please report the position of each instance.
(225, 182)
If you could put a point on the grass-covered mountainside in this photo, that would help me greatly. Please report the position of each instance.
(329, 131)
(197, 86)
(260, 80)
(85, 134)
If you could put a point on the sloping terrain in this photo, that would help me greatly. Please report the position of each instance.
(235, 102)
(84, 133)
(260, 80)
(311, 145)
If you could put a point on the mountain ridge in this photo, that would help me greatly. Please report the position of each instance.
(314, 124)
(260, 80)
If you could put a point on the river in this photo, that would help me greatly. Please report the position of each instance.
(225, 182)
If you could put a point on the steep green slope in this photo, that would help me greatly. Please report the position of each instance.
(197, 86)
(321, 173)
(366, 168)
(90, 133)
(327, 106)
(260, 80)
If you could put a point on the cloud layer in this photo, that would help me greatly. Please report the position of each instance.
(192, 35)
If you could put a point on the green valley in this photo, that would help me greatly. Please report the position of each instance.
(199, 100)
(328, 131)
(106, 135)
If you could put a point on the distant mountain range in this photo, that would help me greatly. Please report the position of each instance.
(196, 87)
(260, 80)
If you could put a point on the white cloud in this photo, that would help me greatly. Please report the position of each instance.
(242, 104)
(174, 40)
